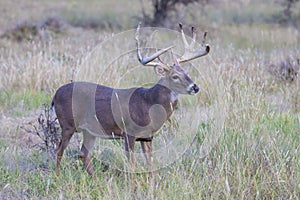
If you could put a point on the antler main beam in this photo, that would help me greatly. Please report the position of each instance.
(191, 52)
(148, 61)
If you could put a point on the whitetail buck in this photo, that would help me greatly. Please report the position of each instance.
(134, 114)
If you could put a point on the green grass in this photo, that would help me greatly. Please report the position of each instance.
(261, 165)
(20, 103)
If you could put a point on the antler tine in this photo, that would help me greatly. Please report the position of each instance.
(183, 36)
(204, 38)
(148, 61)
(194, 34)
(190, 52)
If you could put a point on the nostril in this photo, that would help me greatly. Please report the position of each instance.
(196, 88)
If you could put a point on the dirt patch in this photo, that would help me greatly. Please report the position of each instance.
(29, 30)
(12, 133)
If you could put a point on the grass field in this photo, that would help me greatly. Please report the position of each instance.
(245, 120)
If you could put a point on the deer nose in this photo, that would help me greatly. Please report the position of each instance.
(195, 88)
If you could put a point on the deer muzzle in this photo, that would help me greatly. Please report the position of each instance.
(193, 89)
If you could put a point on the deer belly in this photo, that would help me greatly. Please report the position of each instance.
(95, 128)
(104, 135)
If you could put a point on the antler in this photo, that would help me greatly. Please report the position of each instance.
(191, 52)
(148, 61)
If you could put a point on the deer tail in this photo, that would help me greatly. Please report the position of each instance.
(53, 108)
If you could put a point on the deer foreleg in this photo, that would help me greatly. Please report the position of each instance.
(147, 150)
(129, 149)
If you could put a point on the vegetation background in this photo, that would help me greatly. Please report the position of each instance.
(251, 71)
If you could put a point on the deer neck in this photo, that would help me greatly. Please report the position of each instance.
(161, 94)
(164, 85)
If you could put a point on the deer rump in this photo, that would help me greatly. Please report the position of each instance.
(111, 113)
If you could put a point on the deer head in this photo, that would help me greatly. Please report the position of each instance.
(173, 76)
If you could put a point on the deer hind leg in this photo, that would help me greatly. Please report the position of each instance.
(66, 136)
(129, 149)
(86, 149)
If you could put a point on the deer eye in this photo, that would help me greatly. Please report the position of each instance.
(175, 77)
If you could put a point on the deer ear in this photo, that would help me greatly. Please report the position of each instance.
(159, 70)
